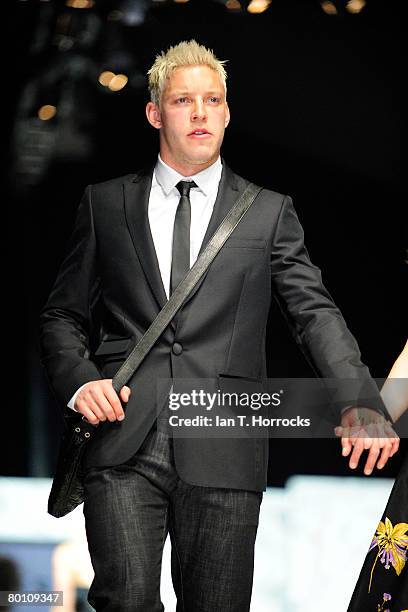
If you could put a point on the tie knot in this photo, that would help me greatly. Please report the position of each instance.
(185, 186)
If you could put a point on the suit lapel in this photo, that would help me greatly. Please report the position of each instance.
(136, 196)
(227, 194)
(136, 200)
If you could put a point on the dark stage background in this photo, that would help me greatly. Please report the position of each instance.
(314, 93)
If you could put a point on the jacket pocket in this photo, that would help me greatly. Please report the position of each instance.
(245, 243)
(240, 383)
(113, 347)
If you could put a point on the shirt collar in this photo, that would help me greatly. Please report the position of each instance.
(168, 178)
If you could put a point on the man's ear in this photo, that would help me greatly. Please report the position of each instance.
(153, 115)
(228, 116)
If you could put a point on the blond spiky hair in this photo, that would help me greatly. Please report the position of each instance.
(186, 53)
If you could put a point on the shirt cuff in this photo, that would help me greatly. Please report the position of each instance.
(71, 403)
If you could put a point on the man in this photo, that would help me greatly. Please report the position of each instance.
(127, 253)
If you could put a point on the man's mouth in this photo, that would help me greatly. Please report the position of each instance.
(200, 134)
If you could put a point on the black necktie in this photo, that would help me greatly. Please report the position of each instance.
(180, 261)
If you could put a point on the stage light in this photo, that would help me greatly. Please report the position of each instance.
(181, 1)
(80, 4)
(233, 5)
(355, 6)
(329, 8)
(118, 82)
(258, 6)
(46, 112)
(106, 77)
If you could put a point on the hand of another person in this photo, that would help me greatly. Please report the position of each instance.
(98, 401)
(366, 429)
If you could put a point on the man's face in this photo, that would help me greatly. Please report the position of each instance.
(192, 102)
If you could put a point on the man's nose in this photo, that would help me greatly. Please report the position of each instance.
(199, 111)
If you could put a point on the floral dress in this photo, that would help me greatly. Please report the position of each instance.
(383, 582)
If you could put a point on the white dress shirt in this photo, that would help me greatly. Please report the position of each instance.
(163, 201)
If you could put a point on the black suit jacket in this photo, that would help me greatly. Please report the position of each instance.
(109, 289)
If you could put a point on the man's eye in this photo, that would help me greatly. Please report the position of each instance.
(181, 99)
(214, 99)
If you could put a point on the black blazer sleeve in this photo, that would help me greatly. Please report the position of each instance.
(315, 321)
(66, 318)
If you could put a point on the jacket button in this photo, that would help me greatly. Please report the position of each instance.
(177, 348)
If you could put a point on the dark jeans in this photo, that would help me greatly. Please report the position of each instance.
(130, 508)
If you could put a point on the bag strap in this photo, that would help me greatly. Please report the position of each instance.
(183, 289)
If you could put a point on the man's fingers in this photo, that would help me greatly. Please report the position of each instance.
(114, 401)
(89, 415)
(373, 453)
(356, 454)
(349, 439)
(106, 406)
(346, 446)
(99, 396)
(395, 446)
(394, 438)
(88, 402)
(389, 444)
(385, 453)
(125, 393)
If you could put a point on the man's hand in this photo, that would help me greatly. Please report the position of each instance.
(366, 429)
(98, 401)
